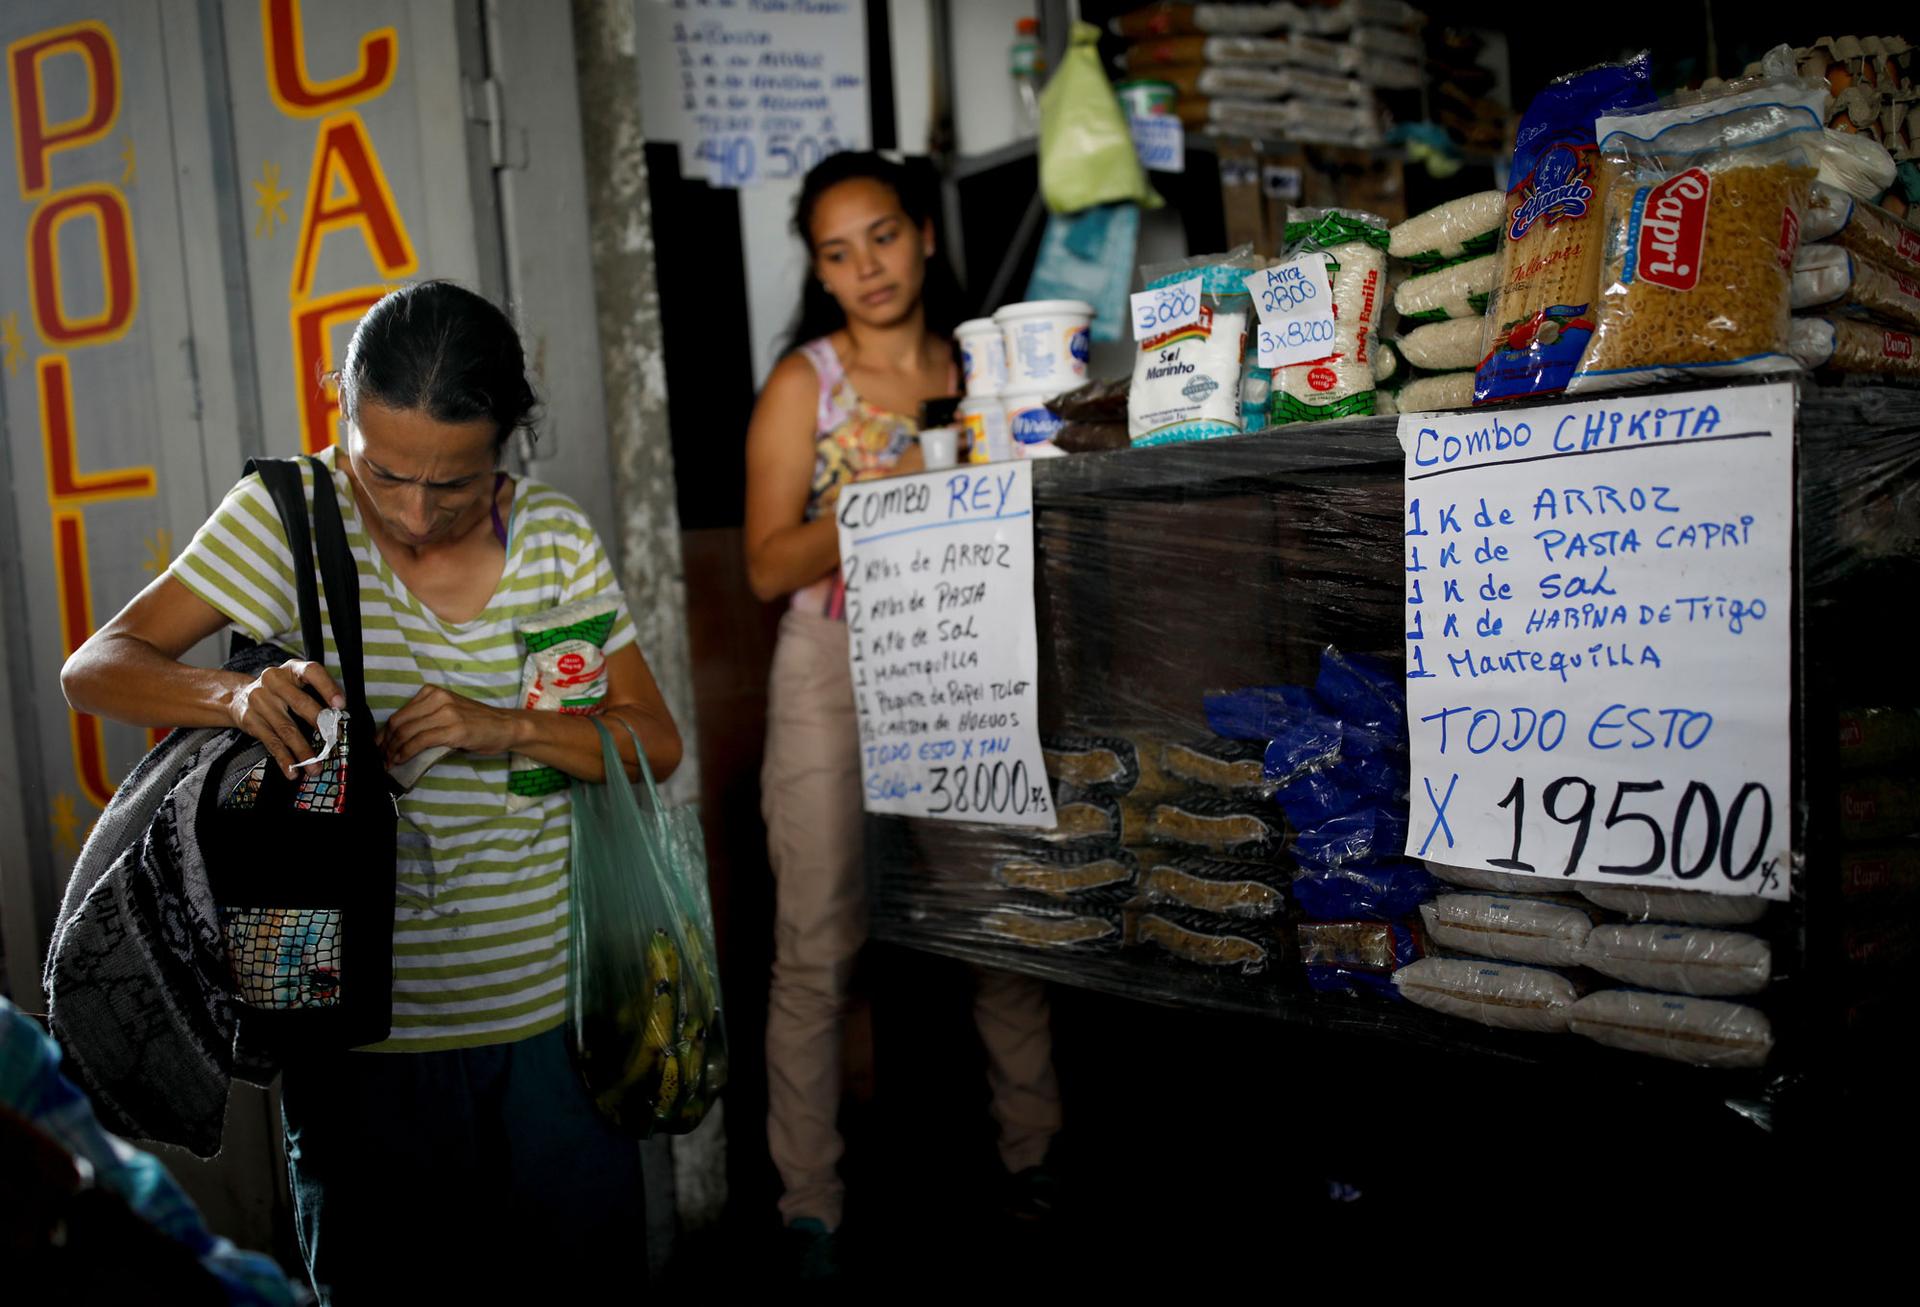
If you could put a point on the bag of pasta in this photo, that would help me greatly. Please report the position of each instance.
(1539, 316)
(1703, 217)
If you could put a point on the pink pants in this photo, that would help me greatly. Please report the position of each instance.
(810, 787)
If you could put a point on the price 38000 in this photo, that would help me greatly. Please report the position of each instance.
(986, 789)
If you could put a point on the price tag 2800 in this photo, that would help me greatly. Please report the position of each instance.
(1166, 308)
(1294, 302)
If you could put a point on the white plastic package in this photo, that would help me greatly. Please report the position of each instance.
(1487, 879)
(1681, 959)
(1867, 229)
(1304, 120)
(1246, 50)
(1342, 383)
(1438, 393)
(1509, 928)
(1256, 82)
(1444, 346)
(1703, 1031)
(1856, 164)
(1459, 229)
(1388, 43)
(565, 671)
(1458, 290)
(1690, 907)
(1386, 361)
(1494, 994)
(1832, 274)
(1245, 20)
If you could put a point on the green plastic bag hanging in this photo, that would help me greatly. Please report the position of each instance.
(1086, 148)
(643, 994)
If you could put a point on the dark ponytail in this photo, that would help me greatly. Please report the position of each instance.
(819, 313)
(438, 348)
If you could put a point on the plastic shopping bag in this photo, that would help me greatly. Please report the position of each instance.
(643, 994)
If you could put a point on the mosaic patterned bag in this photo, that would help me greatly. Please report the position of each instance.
(302, 870)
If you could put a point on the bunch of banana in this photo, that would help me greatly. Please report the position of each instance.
(666, 1076)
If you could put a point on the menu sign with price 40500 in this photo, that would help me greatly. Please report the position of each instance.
(1599, 637)
(938, 570)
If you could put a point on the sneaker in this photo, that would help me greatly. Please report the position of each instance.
(813, 1251)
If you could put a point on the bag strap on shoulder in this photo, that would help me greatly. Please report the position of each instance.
(281, 477)
(338, 574)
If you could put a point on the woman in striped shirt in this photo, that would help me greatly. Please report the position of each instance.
(463, 1145)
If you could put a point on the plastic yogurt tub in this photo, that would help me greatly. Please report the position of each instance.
(984, 417)
(983, 356)
(1047, 344)
(1031, 424)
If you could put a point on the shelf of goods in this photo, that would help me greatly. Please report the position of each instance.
(1275, 560)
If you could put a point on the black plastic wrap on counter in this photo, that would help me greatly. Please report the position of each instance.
(1221, 631)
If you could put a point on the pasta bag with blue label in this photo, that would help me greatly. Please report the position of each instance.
(1703, 219)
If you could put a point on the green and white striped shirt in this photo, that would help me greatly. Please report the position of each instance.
(480, 929)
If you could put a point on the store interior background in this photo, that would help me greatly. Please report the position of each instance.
(1182, 1125)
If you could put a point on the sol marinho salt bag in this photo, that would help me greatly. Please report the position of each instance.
(1187, 380)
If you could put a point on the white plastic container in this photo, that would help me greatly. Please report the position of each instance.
(1031, 424)
(939, 447)
(1047, 344)
(984, 418)
(983, 356)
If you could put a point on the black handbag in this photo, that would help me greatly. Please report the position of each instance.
(303, 870)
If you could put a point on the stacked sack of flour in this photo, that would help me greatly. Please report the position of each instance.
(1651, 970)
(1856, 277)
(1299, 72)
(1449, 256)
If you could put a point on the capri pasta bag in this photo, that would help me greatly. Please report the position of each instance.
(1541, 312)
(1703, 220)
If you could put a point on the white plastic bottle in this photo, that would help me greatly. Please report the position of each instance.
(1028, 66)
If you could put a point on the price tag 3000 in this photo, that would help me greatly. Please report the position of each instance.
(1166, 308)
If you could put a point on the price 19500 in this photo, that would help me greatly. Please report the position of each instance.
(1698, 833)
(986, 789)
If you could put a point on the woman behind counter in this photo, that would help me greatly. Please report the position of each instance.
(870, 347)
(462, 1154)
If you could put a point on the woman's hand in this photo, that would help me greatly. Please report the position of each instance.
(271, 707)
(440, 719)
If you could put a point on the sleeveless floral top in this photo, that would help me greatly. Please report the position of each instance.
(851, 438)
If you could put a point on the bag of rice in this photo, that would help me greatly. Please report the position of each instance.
(1702, 223)
(1513, 998)
(1457, 290)
(1493, 882)
(1386, 403)
(1703, 1031)
(1187, 381)
(1540, 315)
(1466, 228)
(1342, 383)
(1691, 907)
(565, 671)
(1681, 959)
(1831, 274)
(1444, 346)
(1514, 929)
(1386, 361)
(1445, 390)
(1850, 345)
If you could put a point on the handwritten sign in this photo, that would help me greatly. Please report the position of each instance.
(1599, 629)
(755, 90)
(1294, 303)
(1165, 308)
(939, 576)
(1160, 139)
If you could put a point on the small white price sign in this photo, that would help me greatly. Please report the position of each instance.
(1294, 301)
(1160, 140)
(1166, 308)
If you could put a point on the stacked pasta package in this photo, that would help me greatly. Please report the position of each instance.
(1651, 970)
(1856, 279)
(1300, 72)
